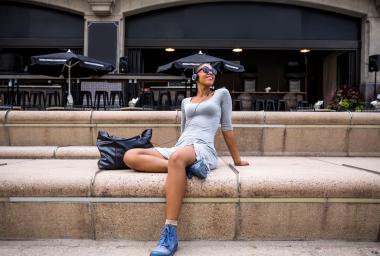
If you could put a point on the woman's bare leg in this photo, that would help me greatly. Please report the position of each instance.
(175, 185)
(145, 160)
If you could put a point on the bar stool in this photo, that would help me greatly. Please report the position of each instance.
(98, 96)
(119, 95)
(259, 105)
(147, 99)
(270, 105)
(37, 96)
(52, 95)
(88, 95)
(23, 98)
(3, 98)
(237, 106)
(179, 96)
(164, 100)
(303, 104)
(282, 105)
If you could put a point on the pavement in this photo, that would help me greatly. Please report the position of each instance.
(188, 248)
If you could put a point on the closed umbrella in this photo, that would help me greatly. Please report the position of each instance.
(68, 65)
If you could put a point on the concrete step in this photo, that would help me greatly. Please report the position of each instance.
(275, 198)
(257, 132)
(188, 248)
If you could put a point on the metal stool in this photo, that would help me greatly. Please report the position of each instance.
(259, 105)
(282, 105)
(4, 98)
(179, 96)
(303, 104)
(38, 96)
(147, 99)
(88, 96)
(23, 97)
(237, 105)
(104, 96)
(119, 95)
(270, 105)
(164, 100)
(50, 96)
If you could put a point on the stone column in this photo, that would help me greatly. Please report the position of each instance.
(107, 11)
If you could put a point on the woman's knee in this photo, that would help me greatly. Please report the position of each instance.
(181, 158)
(130, 157)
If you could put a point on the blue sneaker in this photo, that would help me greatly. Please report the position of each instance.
(198, 169)
(168, 243)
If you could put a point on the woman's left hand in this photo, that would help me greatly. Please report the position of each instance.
(242, 163)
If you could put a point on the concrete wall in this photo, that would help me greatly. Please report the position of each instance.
(257, 133)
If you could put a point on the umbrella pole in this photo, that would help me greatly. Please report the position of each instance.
(70, 101)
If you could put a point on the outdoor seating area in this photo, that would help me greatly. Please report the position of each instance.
(151, 92)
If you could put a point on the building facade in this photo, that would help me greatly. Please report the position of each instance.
(341, 35)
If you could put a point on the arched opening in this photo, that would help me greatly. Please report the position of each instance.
(271, 36)
(31, 30)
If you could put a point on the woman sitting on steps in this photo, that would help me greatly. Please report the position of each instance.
(193, 154)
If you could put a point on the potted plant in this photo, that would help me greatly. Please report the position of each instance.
(347, 98)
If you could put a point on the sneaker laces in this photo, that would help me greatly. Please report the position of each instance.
(164, 238)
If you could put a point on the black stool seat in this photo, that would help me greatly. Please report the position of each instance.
(98, 96)
(119, 95)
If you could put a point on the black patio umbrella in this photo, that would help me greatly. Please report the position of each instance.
(68, 65)
(186, 64)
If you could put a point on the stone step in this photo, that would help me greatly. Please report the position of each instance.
(275, 198)
(257, 132)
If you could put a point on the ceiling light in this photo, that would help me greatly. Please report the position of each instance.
(305, 50)
(169, 49)
(237, 50)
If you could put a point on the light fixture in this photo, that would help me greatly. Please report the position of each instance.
(237, 50)
(305, 50)
(169, 49)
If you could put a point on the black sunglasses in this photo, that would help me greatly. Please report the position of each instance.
(207, 70)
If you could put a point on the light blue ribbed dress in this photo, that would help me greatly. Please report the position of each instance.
(199, 124)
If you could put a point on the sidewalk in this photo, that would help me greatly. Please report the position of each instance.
(195, 248)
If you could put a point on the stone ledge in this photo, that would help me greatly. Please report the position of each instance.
(257, 133)
(279, 198)
(48, 117)
(46, 178)
(77, 152)
(266, 177)
(309, 177)
(134, 117)
(24, 152)
(128, 183)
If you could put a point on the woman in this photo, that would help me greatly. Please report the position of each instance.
(194, 153)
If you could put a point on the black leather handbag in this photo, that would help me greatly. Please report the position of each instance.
(112, 148)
